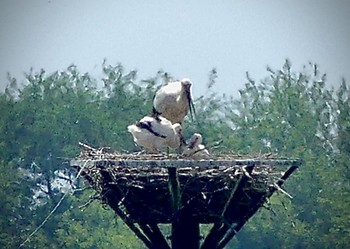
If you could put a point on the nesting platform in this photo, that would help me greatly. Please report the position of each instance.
(146, 190)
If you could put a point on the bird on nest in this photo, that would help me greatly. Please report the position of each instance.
(195, 149)
(173, 101)
(156, 133)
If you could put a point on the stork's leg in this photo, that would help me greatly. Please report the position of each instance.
(182, 143)
(179, 150)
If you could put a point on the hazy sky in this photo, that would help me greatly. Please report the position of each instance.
(183, 37)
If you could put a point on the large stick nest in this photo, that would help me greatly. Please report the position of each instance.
(224, 187)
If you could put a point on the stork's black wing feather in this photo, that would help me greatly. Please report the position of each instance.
(148, 126)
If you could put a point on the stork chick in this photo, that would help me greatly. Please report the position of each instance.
(173, 101)
(195, 149)
(156, 133)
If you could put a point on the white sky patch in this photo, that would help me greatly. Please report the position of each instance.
(184, 38)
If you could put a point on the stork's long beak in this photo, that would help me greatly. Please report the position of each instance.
(190, 103)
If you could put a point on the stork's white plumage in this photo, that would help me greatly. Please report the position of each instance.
(195, 149)
(156, 133)
(174, 100)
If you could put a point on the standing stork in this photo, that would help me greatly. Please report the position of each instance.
(156, 133)
(195, 149)
(173, 101)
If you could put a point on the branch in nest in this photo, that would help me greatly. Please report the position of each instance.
(65, 178)
(81, 189)
(246, 173)
(85, 146)
(283, 191)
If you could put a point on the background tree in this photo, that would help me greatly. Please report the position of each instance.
(289, 113)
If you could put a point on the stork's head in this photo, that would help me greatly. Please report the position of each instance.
(178, 128)
(186, 86)
(195, 140)
(186, 83)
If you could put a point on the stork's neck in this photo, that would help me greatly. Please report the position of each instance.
(183, 96)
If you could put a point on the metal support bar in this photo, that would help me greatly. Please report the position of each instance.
(155, 236)
(133, 228)
(183, 163)
(185, 231)
(234, 230)
(111, 198)
(158, 236)
(174, 189)
(220, 228)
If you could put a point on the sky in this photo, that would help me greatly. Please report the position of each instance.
(185, 38)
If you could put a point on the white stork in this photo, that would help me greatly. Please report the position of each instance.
(173, 101)
(195, 149)
(156, 133)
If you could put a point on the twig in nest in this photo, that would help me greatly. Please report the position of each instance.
(104, 149)
(87, 147)
(246, 173)
(81, 189)
(283, 191)
(123, 199)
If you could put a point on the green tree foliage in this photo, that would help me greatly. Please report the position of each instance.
(289, 113)
(335, 195)
(15, 200)
(43, 122)
(96, 220)
(292, 114)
